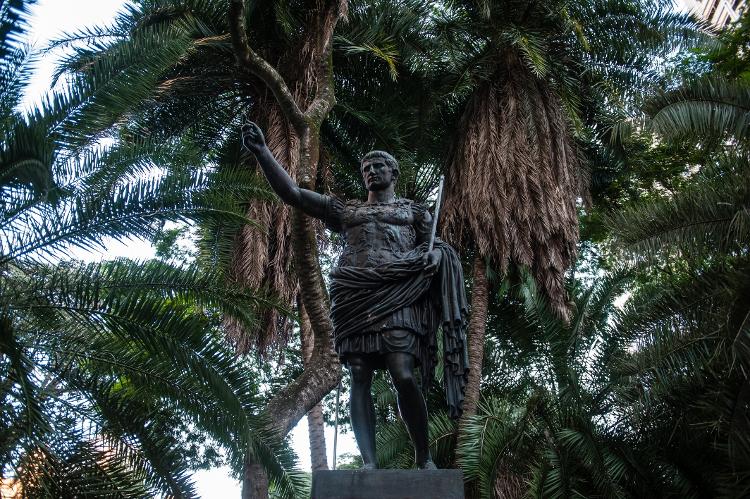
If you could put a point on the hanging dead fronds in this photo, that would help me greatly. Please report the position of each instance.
(263, 256)
(512, 183)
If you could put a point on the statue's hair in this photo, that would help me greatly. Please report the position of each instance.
(389, 160)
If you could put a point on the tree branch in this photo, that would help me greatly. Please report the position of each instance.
(296, 399)
(325, 99)
(258, 66)
(290, 404)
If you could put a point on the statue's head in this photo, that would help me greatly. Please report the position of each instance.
(379, 170)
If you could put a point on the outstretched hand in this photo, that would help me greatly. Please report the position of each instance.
(252, 137)
(431, 261)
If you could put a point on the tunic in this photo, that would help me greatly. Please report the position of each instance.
(375, 234)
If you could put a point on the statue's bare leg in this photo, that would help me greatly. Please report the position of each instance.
(411, 404)
(362, 409)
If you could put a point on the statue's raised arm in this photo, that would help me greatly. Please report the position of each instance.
(310, 202)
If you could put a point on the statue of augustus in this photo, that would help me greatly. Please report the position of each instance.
(389, 295)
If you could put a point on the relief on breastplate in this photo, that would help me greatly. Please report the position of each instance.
(377, 234)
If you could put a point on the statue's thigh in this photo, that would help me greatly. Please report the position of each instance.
(400, 366)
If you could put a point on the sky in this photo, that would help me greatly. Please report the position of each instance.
(685, 4)
(50, 19)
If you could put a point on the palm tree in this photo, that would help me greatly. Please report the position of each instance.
(684, 399)
(688, 318)
(196, 70)
(170, 68)
(532, 81)
(547, 431)
(107, 367)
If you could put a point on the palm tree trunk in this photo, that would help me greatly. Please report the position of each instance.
(316, 426)
(477, 326)
(475, 340)
(315, 422)
(254, 481)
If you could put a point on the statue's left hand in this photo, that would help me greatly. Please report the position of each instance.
(431, 261)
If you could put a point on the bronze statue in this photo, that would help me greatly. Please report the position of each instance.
(389, 294)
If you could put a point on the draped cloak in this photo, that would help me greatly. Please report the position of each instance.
(362, 297)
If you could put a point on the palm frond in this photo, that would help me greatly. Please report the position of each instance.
(490, 443)
(704, 108)
(710, 216)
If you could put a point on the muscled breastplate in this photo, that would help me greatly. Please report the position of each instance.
(377, 233)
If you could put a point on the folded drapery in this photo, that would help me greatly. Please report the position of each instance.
(364, 296)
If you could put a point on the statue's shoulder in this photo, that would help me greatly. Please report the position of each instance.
(353, 203)
(397, 203)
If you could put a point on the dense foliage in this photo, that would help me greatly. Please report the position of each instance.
(116, 380)
(614, 130)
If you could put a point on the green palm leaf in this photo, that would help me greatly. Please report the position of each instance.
(704, 108)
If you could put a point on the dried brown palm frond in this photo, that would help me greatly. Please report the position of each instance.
(512, 183)
(508, 484)
(263, 256)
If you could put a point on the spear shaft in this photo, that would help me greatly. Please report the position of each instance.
(437, 213)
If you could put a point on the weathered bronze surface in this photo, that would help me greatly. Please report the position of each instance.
(389, 294)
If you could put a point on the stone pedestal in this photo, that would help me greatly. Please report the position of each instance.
(387, 484)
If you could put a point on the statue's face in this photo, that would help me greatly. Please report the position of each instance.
(377, 174)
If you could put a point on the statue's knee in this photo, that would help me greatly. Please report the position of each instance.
(361, 374)
(403, 379)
